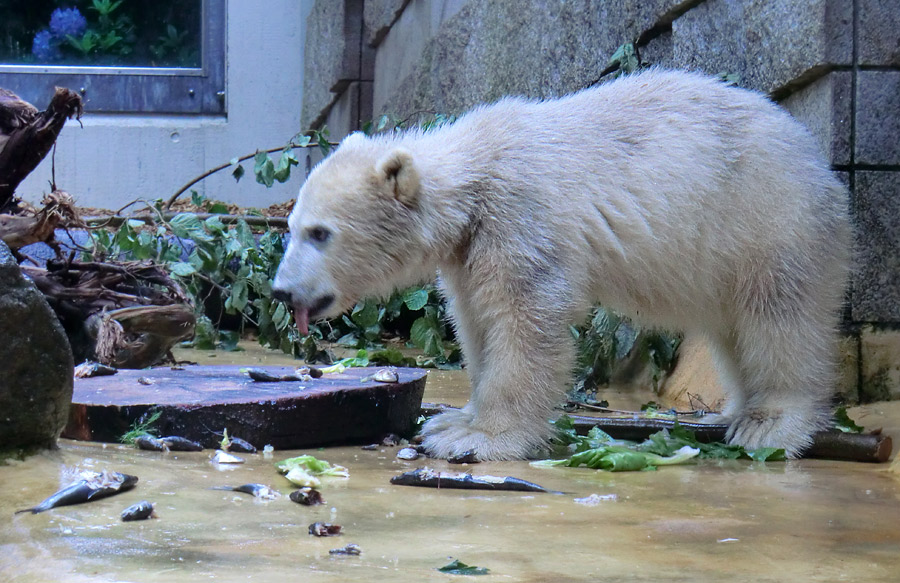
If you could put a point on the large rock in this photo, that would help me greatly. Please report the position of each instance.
(36, 367)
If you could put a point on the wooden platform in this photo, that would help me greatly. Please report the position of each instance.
(198, 402)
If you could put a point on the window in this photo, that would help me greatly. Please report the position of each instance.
(164, 56)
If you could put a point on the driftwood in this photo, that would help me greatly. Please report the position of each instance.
(27, 135)
(126, 315)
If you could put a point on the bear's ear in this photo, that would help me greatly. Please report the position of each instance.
(399, 173)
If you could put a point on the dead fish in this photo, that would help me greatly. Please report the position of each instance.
(140, 511)
(350, 550)
(261, 376)
(150, 443)
(408, 453)
(303, 374)
(428, 478)
(88, 369)
(239, 445)
(222, 457)
(311, 371)
(307, 496)
(467, 457)
(92, 486)
(260, 491)
(324, 529)
(384, 375)
(176, 443)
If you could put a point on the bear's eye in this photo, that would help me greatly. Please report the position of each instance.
(318, 234)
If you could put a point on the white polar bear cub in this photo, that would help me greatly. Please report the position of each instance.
(667, 196)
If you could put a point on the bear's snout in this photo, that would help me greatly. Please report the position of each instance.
(282, 295)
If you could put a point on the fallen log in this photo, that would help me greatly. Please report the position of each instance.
(831, 444)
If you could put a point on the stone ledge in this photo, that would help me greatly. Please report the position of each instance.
(379, 16)
(824, 108)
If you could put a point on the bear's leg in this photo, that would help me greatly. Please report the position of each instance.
(786, 371)
(724, 354)
(525, 361)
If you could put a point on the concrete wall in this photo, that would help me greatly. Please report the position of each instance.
(117, 158)
(834, 64)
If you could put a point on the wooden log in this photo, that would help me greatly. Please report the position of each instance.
(832, 444)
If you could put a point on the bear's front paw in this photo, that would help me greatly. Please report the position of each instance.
(762, 427)
(454, 433)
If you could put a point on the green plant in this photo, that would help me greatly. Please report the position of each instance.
(607, 340)
(109, 34)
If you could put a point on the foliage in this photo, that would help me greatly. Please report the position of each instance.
(101, 32)
(842, 422)
(607, 340)
(142, 426)
(598, 450)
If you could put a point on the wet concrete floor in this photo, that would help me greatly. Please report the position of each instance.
(806, 520)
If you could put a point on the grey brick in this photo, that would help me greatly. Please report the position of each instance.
(878, 117)
(332, 56)
(875, 284)
(879, 25)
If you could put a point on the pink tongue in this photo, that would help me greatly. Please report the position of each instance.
(301, 317)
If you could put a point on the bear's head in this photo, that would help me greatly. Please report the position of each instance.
(355, 231)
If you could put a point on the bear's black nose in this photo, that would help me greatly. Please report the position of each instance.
(282, 295)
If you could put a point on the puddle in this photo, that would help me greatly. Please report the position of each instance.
(807, 520)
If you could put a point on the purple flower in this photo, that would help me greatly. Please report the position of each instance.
(67, 21)
(44, 47)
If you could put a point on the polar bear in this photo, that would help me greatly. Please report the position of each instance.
(667, 196)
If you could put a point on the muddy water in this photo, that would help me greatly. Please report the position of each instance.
(807, 520)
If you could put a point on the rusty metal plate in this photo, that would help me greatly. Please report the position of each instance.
(198, 402)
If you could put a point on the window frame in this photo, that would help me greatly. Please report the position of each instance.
(137, 89)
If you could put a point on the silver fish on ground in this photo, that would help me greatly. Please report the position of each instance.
(350, 550)
(241, 446)
(428, 478)
(140, 511)
(150, 443)
(260, 491)
(92, 486)
(176, 443)
(89, 368)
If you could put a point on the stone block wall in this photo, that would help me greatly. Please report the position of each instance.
(834, 64)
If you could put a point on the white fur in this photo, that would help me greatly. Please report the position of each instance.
(667, 196)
